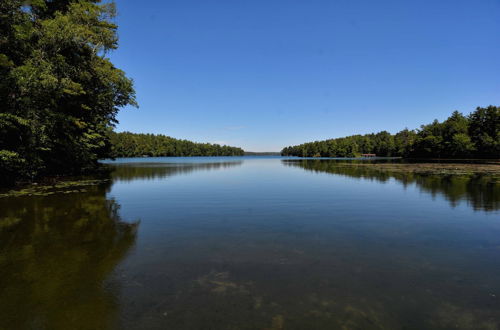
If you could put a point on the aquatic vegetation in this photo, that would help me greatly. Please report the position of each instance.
(60, 187)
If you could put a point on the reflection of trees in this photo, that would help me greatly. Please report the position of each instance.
(56, 254)
(150, 171)
(481, 191)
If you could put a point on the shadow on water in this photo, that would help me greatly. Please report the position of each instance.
(152, 171)
(481, 192)
(57, 253)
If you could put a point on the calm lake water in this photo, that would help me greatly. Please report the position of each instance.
(253, 243)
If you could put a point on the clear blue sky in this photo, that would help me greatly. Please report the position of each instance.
(264, 74)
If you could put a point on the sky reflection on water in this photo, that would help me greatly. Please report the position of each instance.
(254, 243)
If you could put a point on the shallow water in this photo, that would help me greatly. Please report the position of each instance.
(253, 243)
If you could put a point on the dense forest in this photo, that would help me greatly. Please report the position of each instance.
(128, 144)
(474, 136)
(59, 92)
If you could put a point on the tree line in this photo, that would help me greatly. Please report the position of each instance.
(474, 136)
(126, 144)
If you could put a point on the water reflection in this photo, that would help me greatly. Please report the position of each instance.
(261, 247)
(479, 191)
(152, 171)
(56, 256)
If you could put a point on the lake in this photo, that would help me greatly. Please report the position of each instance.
(253, 243)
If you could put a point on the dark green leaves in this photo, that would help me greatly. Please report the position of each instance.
(56, 79)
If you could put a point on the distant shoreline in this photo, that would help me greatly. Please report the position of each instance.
(408, 159)
(264, 153)
(430, 166)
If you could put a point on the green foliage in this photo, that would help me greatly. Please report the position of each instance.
(484, 131)
(128, 144)
(382, 144)
(477, 135)
(10, 164)
(59, 93)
